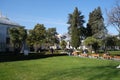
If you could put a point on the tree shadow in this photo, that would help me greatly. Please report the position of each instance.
(106, 73)
(86, 73)
(8, 57)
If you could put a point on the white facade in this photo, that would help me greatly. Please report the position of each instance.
(5, 24)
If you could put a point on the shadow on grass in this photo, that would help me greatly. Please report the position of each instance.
(86, 73)
(8, 57)
(105, 73)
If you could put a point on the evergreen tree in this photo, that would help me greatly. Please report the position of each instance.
(88, 31)
(96, 22)
(76, 27)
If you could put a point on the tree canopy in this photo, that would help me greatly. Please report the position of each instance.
(36, 37)
(75, 28)
(93, 43)
(51, 36)
(96, 24)
(63, 44)
(17, 36)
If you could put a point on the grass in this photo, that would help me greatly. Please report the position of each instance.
(114, 52)
(60, 68)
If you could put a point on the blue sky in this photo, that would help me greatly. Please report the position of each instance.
(51, 13)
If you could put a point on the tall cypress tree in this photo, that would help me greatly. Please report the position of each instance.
(76, 27)
(88, 31)
(96, 22)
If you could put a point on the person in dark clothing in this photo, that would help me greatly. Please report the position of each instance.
(51, 50)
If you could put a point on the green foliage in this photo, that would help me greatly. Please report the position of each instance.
(51, 36)
(88, 31)
(69, 22)
(114, 53)
(63, 44)
(118, 42)
(76, 27)
(39, 36)
(60, 68)
(111, 42)
(93, 43)
(96, 22)
(17, 36)
(36, 37)
(40, 33)
(31, 37)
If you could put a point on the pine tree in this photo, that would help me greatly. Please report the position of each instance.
(96, 22)
(88, 31)
(76, 27)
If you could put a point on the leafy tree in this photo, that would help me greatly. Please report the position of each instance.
(96, 24)
(36, 37)
(93, 43)
(76, 27)
(51, 36)
(18, 36)
(63, 44)
(114, 16)
(111, 42)
(118, 42)
(31, 37)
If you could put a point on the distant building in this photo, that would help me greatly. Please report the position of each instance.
(5, 24)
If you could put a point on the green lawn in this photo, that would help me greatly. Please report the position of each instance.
(60, 68)
(114, 52)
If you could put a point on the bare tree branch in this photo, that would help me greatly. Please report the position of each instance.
(114, 16)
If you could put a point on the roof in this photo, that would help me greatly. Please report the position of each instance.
(7, 21)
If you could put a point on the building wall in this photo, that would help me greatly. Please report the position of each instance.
(3, 35)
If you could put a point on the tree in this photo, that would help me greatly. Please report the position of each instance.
(63, 44)
(114, 17)
(111, 42)
(76, 27)
(88, 31)
(18, 36)
(96, 24)
(69, 22)
(36, 37)
(118, 43)
(93, 43)
(51, 36)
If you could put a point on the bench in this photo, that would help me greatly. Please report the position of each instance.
(117, 57)
(84, 55)
(105, 56)
(95, 55)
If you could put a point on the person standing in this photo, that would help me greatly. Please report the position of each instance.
(51, 50)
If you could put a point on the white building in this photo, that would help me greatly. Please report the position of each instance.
(5, 24)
